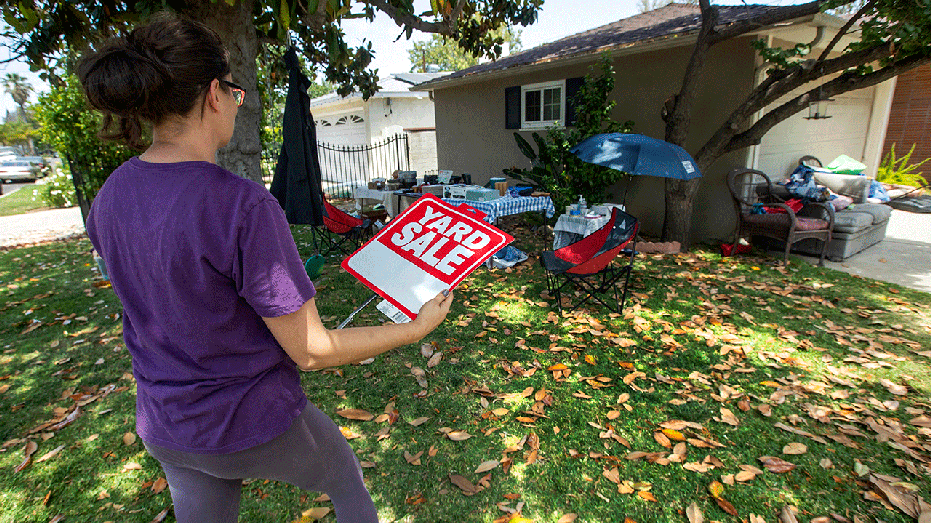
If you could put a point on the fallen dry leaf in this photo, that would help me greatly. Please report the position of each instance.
(728, 417)
(795, 448)
(726, 506)
(129, 438)
(787, 514)
(313, 514)
(716, 489)
(355, 414)
(159, 485)
(465, 485)
(568, 518)
(458, 435)
(647, 495)
(348, 433)
(486, 466)
(694, 513)
(894, 388)
(776, 465)
(418, 422)
(28, 450)
(50, 454)
(413, 459)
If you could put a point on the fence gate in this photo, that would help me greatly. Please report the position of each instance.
(343, 167)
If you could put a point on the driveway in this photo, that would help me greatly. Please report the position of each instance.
(903, 257)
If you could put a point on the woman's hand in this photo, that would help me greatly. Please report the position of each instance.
(434, 312)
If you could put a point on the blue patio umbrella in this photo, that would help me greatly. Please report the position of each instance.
(638, 155)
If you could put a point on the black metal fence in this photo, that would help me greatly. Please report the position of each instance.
(346, 166)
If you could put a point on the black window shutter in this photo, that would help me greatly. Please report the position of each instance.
(573, 85)
(512, 107)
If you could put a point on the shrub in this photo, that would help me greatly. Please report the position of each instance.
(561, 173)
(56, 189)
(899, 171)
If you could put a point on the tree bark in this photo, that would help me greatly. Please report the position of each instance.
(234, 23)
(677, 222)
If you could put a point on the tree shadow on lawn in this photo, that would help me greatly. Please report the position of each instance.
(740, 358)
(736, 359)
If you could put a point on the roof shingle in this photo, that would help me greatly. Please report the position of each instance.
(673, 19)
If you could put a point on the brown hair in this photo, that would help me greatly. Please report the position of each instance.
(160, 69)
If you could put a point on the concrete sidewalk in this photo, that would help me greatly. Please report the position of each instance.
(903, 257)
(39, 226)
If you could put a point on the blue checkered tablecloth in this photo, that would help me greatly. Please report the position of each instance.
(508, 205)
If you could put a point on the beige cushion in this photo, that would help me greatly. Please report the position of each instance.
(852, 185)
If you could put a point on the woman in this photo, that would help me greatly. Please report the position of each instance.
(219, 313)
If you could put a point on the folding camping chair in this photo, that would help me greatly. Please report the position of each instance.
(340, 232)
(586, 264)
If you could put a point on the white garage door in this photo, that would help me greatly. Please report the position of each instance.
(845, 132)
(347, 129)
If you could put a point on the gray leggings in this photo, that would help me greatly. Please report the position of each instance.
(312, 454)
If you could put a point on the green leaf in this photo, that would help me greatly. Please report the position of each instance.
(525, 147)
(284, 20)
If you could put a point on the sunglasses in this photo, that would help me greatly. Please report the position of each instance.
(239, 93)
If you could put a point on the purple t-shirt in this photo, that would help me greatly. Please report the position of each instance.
(197, 256)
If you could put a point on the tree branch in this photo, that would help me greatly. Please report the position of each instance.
(678, 119)
(843, 30)
(846, 82)
(775, 16)
(410, 20)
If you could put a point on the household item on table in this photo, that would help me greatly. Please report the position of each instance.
(586, 264)
(407, 178)
(502, 188)
(377, 184)
(431, 179)
(445, 177)
(493, 181)
(470, 192)
(433, 189)
(466, 179)
(752, 191)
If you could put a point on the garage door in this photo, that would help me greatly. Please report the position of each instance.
(347, 129)
(845, 132)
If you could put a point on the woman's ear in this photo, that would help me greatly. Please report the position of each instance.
(212, 99)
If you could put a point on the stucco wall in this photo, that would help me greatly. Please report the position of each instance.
(471, 137)
(402, 113)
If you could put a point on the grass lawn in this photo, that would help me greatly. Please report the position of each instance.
(732, 387)
(20, 202)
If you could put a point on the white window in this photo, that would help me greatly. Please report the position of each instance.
(543, 105)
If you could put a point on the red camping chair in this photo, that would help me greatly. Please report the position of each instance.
(340, 231)
(586, 264)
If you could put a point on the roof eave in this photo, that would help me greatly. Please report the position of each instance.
(655, 44)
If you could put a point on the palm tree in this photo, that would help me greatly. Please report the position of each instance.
(18, 88)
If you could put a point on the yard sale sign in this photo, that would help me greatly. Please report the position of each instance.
(427, 249)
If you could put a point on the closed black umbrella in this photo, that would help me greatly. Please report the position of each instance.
(296, 184)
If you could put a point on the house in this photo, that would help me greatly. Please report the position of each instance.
(478, 109)
(910, 118)
(394, 109)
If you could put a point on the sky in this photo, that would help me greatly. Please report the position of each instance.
(557, 19)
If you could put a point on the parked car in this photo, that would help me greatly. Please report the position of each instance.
(17, 170)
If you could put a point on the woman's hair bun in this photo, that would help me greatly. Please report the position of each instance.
(161, 69)
(121, 80)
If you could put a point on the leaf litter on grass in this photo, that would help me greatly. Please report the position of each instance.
(673, 394)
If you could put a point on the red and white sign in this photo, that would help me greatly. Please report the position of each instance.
(427, 249)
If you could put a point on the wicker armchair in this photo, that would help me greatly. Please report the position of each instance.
(752, 189)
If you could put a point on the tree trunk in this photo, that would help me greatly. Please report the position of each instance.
(677, 226)
(235, 26)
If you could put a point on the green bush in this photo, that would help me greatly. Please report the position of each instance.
(899, 171)
(56, 189)
(561, 173)
(70, 126)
